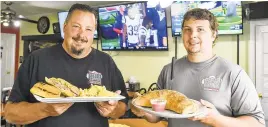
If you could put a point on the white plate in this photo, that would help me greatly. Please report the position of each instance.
(171, 114)
(78, 99)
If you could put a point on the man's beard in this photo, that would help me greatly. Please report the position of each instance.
(76, 51)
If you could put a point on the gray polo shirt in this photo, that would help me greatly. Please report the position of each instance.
(216, 80)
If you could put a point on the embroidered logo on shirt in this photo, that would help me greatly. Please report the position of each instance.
(211, 83)
(94, 77)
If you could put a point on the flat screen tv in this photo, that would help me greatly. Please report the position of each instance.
(228, 14)
(61, 17)
(137, 26)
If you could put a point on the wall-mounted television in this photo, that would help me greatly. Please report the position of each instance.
(136, 26)
(228, 14)
(61, 17)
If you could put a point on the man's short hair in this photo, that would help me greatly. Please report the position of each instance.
(202, 14)
(81, 7)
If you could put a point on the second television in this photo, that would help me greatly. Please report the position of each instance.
(228, 14)
(136, 26)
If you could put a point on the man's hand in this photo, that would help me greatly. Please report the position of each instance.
(149, 117)
(134, 109)
(57, 109)
(210, 116)
(106, 108)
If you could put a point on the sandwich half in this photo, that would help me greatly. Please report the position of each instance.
(66, 88)
(45, 90)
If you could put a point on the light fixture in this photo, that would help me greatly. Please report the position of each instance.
(8, 16)
(20, 16)
(5, 24)
(16, 23)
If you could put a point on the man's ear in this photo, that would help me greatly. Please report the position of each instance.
(96, 22)
(64, 25)
(215, 34)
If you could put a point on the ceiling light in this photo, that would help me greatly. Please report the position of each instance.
(16, 23)
(6, 24)
(20, 16)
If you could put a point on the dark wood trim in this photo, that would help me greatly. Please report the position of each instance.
(46, 37)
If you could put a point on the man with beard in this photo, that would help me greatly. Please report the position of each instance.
(222, 87)
(77, 62)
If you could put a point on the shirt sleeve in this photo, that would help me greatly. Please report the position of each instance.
(21, 88)
(244, 99)
(118, 81)
(163, 81)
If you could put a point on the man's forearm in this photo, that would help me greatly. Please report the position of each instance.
(24, 112)
(119, 110)
(242, 121)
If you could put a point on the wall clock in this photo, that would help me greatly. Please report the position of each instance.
(43, 24)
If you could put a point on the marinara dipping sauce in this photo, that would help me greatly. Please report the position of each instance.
(159, 104)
